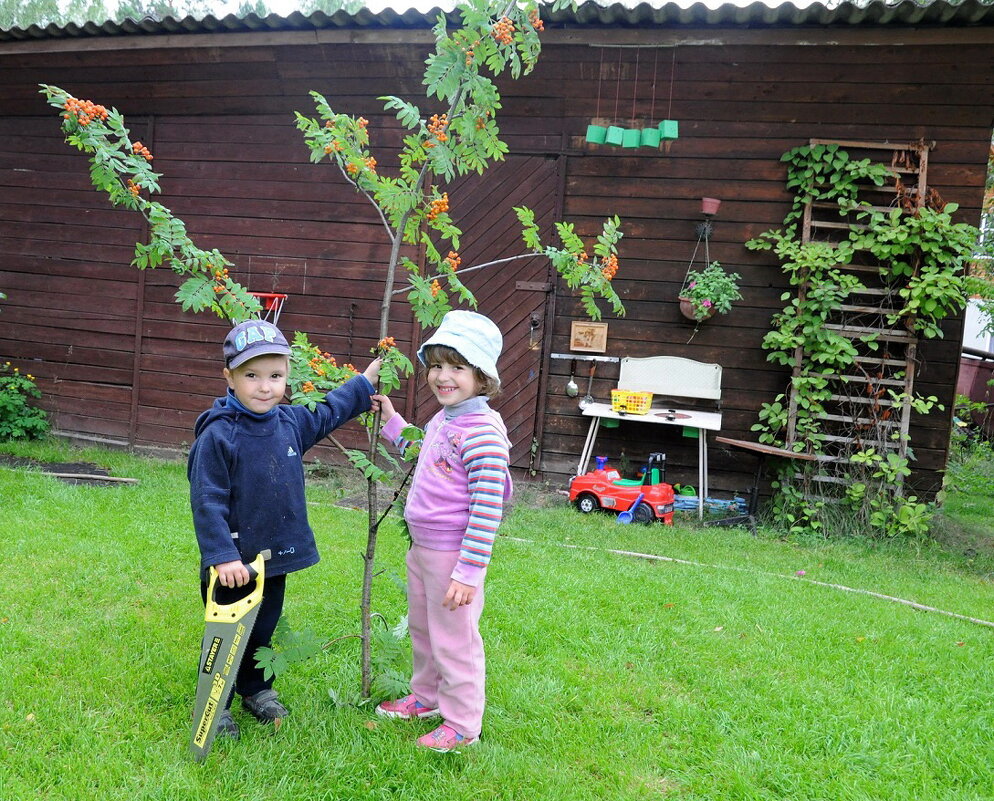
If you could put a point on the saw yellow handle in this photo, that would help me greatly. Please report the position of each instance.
(213, 611)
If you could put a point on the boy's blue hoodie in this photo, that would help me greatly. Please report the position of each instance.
(246, 476)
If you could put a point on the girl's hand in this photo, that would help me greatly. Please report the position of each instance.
(372, 372)
(232, 574)
(459, 594)
(384, 404)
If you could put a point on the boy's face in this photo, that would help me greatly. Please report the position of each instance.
(452, 383)
(260, 383)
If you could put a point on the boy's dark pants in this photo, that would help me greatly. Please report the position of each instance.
(250, 679)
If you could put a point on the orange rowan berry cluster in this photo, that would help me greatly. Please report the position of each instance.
(362, 122)
(535, 20)
(220, 277)
(370, 164)
(140, 150)
(350, 367)
(435, 288)
(307, 386)
(85, 111)
(469, 53)
(503, 31)
(133, 188)
(453, 260)
(352, 169)
(385, 344)
(439, 206)
(437, 126)
(610, 268)
(316, 366)
(327, 124)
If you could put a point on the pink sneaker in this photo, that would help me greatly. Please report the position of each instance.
(406, 708)
(446, 739)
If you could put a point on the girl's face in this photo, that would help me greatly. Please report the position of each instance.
(260, 383)
(452, 383)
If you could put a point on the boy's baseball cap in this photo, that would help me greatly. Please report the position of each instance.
(477, 338)
(253, 338)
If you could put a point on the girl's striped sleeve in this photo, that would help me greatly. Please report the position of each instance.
(485, 456)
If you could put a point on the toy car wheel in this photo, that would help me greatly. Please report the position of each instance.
(643, 514)
(587, 503)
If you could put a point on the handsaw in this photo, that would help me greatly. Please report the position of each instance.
(226, 634)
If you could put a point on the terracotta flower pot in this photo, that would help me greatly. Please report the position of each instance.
(688, 311)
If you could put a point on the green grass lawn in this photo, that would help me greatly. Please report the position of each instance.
(609, 677)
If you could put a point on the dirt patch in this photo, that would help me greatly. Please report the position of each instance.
(68, 472)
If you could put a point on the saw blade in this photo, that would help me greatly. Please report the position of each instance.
(226, 634)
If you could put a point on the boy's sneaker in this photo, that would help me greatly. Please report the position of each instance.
(226, 726)
(445, 739)
(265, 706)
(406, 708)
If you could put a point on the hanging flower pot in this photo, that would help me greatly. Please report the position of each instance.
(687, 310)
(707, 292)
(709, 206)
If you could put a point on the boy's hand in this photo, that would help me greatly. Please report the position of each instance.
(385, 407)
(232, 574)
(372, 372)
(459, 594)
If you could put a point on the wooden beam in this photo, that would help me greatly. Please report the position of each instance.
(583, 35)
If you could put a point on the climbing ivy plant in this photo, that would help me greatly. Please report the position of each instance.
(921, 254)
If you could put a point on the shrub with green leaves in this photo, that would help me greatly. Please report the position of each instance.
(18, 418)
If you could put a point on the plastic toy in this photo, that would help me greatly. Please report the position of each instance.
(604, 488)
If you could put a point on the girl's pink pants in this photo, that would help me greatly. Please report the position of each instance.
(449, 668)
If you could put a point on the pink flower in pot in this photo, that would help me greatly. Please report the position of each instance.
(708, 292)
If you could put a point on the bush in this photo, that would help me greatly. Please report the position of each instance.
(19, 419)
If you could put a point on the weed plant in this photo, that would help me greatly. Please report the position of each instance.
(726, 676)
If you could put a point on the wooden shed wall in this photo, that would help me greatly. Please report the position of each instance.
(117, 359)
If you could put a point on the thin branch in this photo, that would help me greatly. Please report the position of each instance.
(475, 267)
(330, 643)
(372, 201)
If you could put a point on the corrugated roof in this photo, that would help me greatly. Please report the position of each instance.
(903, 13)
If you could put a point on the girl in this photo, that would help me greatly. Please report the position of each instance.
(453, 510)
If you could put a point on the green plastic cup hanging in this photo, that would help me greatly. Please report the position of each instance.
(669, 129)
(632, 137)
(615, 135)
(650, 137)
(596, 134)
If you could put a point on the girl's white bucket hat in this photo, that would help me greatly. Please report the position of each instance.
(476, 337)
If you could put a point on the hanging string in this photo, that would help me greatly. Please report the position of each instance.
(600, 78)
(655, 66)
(635, 88)
(617, 88)
(703, 235)
(669, 110)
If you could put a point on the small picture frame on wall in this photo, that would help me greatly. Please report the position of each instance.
(588, 337)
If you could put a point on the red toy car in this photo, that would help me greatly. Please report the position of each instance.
(646, 501)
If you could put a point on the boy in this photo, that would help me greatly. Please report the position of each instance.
(247, 486)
